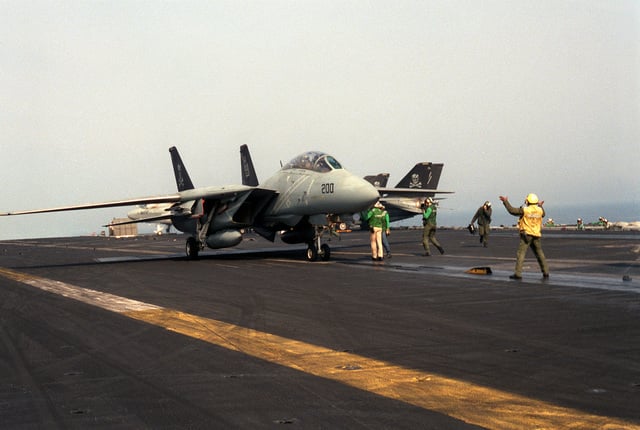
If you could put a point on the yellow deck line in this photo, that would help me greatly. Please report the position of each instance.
(472, 403)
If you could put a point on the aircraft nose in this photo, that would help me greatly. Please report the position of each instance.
(364, 193)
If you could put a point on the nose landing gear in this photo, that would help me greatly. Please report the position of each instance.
(313, 252)
(316, 248)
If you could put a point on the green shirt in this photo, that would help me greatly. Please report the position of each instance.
(429, 215)
(376, 217)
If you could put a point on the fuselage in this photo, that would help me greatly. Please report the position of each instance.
(312, 187)
(315, 184)
(303, 192)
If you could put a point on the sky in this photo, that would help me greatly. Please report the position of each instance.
(512, 96)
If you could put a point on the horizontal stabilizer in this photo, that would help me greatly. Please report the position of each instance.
(410, 192)
(149, 220)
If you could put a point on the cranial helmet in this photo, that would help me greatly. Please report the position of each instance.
(532, 199)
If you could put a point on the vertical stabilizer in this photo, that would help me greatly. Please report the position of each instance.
(249, 176)
(423, 176)
(379, 180)
(182, 177)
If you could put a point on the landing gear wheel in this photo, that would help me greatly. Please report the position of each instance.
(312, 252)
(325, 252)
(192, 249)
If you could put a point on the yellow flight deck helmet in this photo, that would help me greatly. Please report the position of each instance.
(532, 199)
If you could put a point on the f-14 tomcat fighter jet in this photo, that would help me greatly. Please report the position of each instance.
(304, 199)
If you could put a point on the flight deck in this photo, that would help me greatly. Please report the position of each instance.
(128, 333)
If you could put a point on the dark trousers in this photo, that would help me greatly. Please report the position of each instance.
(429, 235)
(535, 243)
(483, 231)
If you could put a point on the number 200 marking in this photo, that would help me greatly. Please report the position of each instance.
(328, 188)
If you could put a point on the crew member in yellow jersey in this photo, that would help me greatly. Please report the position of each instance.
(530, 225)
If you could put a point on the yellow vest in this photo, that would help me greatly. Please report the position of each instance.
(531, 221)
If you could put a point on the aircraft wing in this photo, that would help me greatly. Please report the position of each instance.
(223, 193)
(128, 202)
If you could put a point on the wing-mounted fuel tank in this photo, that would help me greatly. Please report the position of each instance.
(224, 239)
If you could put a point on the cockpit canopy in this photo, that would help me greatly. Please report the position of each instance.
(314, 160)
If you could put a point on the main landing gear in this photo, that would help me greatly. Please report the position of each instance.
(196, 243)
(192, 248)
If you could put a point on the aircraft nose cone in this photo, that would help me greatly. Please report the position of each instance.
(364, 193)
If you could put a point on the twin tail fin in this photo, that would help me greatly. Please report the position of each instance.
(183, 181)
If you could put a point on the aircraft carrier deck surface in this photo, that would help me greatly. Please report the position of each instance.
(105, 333)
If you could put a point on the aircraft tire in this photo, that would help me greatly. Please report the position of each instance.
(312, 253)
(192, 249)
(325, 252)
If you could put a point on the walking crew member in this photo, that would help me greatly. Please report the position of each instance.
(483, 215)
(430, 211)
(530, 225)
